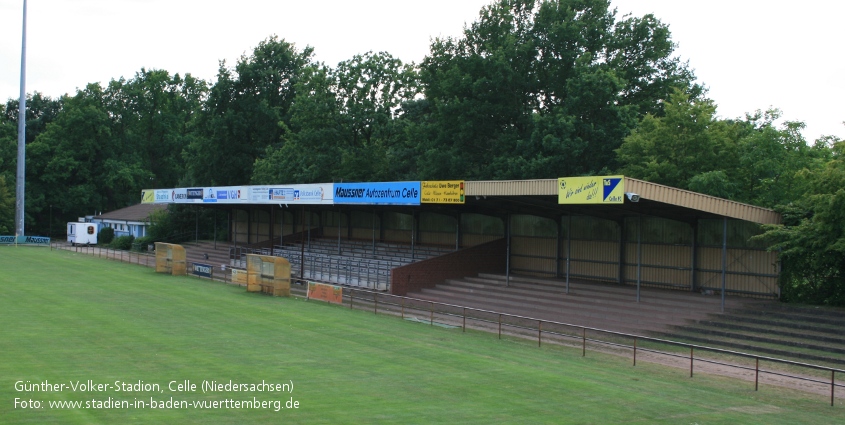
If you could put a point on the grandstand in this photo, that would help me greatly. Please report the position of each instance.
(654, 258)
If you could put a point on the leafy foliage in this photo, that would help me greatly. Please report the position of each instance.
(105, 236)
(123, 242)
(560, 83)
(812, 241)
(245, 113)
(7, 208)
(345, 123)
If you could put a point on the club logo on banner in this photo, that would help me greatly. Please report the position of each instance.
(147, 196)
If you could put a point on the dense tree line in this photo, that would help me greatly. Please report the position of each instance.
(532, 89)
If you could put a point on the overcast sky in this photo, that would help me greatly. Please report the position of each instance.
(751, 54)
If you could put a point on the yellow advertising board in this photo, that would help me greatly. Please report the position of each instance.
(148, 196)
(329, 293)
(442, 192)
(591, 190)
(239, 276)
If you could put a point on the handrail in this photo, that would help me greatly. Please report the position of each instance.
(374, 295)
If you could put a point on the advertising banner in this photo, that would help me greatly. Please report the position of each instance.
(328, 293)
(392, 193)
(239, 276)
(308, 194)
(442, 192)
(229, 194)
(147, 196)
(591, 190)
(195, 193)
(180, 195)
(202, 270)
(163, 195)
(24, 240)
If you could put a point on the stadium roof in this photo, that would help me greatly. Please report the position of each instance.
(540, 197)
(623, 197)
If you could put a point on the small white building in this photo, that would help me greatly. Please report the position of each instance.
(132, 220)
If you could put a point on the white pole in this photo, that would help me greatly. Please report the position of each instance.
(20, 184)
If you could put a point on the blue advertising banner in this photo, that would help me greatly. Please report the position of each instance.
(203, 270)
(24, 240)
(391, 193)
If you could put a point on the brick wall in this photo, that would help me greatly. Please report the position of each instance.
(489, 257)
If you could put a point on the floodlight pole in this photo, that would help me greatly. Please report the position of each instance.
(20, 181)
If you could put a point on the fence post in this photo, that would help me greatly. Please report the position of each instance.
(539, 332)
(832, 384)
(583, 342)
(465, 319)
(375, 299)
(431, 313)
(690, 362)
(500, 325)
(403, 307)
(351, 298)
(756, 373)
(635, 351)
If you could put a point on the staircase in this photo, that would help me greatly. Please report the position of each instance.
(605, 306)
(801, 333)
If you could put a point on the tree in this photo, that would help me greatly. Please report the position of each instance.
(7, 209)
(344, 122)
(811, 242)
(774, 162)
(155, 114)
(539, 89)
(684, 143)
(246, 112)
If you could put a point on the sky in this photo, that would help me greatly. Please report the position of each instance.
(750, 54)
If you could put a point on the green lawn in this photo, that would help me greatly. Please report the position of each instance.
(67, 318)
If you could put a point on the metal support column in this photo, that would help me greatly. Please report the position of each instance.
(302, 247)
(413, 235)
(621, 272)
(568, 251)
(508, 259)
(694, 257)
(272, 227)
(724, 259)
(374, 232)
(557, 246)
(458, 233)
(639, 254)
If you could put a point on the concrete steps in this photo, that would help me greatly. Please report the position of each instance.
(604, 306)
(800, 333)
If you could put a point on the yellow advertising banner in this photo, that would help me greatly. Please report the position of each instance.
(442, 192)
(329, 293)
(591, 190)
(239, 276)
(148, 196)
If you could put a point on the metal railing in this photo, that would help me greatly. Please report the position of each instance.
(538, 328)
(371, 273)
(499, 322)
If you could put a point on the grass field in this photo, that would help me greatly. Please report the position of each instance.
(68, 318)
